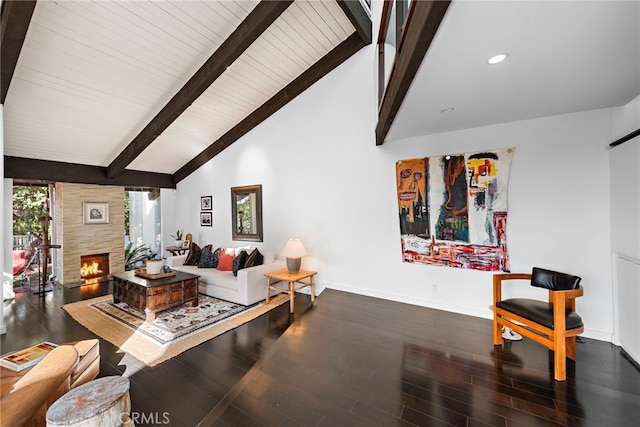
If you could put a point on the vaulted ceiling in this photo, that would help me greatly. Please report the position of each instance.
(564, 57)
(144, 93)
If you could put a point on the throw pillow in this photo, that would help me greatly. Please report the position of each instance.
(216, 257)
(194, 255)
(253, 259)
(238, 262)
(206, 258)
(226, 260)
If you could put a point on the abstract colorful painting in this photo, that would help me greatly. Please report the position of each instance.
(453, 209)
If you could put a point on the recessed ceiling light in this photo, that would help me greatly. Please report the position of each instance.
(447, 110)
(498, 58)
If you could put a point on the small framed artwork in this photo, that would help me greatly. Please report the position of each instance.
(206, 203)
(186, 244)
(95, 212)
(205, 219)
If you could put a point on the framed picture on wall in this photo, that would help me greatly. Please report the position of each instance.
(206, 203)
(206, 219)
(95, 212)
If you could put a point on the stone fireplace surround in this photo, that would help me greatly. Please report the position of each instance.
(79, 239)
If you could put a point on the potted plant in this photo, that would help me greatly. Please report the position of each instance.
(178, 238)
(154, 265)
(136, 256)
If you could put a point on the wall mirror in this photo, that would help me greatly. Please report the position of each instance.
(246, 213)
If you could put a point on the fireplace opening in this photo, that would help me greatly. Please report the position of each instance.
(94, 268)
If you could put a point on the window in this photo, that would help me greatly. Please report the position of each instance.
(142, 221)
(395, 15)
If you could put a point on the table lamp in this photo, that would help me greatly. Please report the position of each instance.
(294, 251)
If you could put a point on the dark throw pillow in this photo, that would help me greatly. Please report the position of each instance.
(253, 259)
(194, 255)
(238, 262)
(216, 257)
(206, 258)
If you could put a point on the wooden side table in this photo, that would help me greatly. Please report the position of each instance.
(176, 250)
(294, 282)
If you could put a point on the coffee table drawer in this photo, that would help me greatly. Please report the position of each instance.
(157, 299)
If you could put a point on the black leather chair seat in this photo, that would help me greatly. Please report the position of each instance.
(537, 311)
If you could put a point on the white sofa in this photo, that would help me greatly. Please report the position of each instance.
(249, 287)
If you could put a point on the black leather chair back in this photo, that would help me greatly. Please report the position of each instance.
(553, 280)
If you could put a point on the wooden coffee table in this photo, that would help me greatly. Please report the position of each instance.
(155, 295)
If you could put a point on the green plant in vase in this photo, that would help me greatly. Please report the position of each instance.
(178, 237)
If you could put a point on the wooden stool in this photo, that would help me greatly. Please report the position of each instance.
(102, 402)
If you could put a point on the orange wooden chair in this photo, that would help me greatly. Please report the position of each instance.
(554, 324)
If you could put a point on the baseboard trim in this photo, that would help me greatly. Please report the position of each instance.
(438, 305)
(598, 335)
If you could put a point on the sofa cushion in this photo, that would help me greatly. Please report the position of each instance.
(216, 257)
(206, 258)
(226, 259)
(224, 279)
(254, 258)
(194, 255)
(88, 366)
(27, 401)
(269, 257)
(238, 262)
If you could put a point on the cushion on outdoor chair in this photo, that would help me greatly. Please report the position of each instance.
(19, 261)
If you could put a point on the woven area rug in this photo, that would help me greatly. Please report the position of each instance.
(172, 332)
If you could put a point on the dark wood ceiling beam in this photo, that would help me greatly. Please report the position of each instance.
(260, 18)
(426, 17)
(15, 19)
(359, 18)
(20, 168)
(331, 60)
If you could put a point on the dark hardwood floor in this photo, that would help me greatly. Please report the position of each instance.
(352, 360)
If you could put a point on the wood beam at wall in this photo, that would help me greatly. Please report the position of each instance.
(20, 168)
(359, 18)
(625, 138)
(16, 16)
(260, 18)
(331, 60)
(421, 29)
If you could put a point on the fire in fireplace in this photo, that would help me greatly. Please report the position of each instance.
(94, 268)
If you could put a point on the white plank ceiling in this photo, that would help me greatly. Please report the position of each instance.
(93, 74)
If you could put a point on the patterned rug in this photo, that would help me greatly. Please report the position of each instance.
(173, 323)
(172, 332)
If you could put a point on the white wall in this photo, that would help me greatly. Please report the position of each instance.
(625, 228)
(326, 182)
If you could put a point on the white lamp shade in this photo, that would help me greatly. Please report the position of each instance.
(294, 249)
